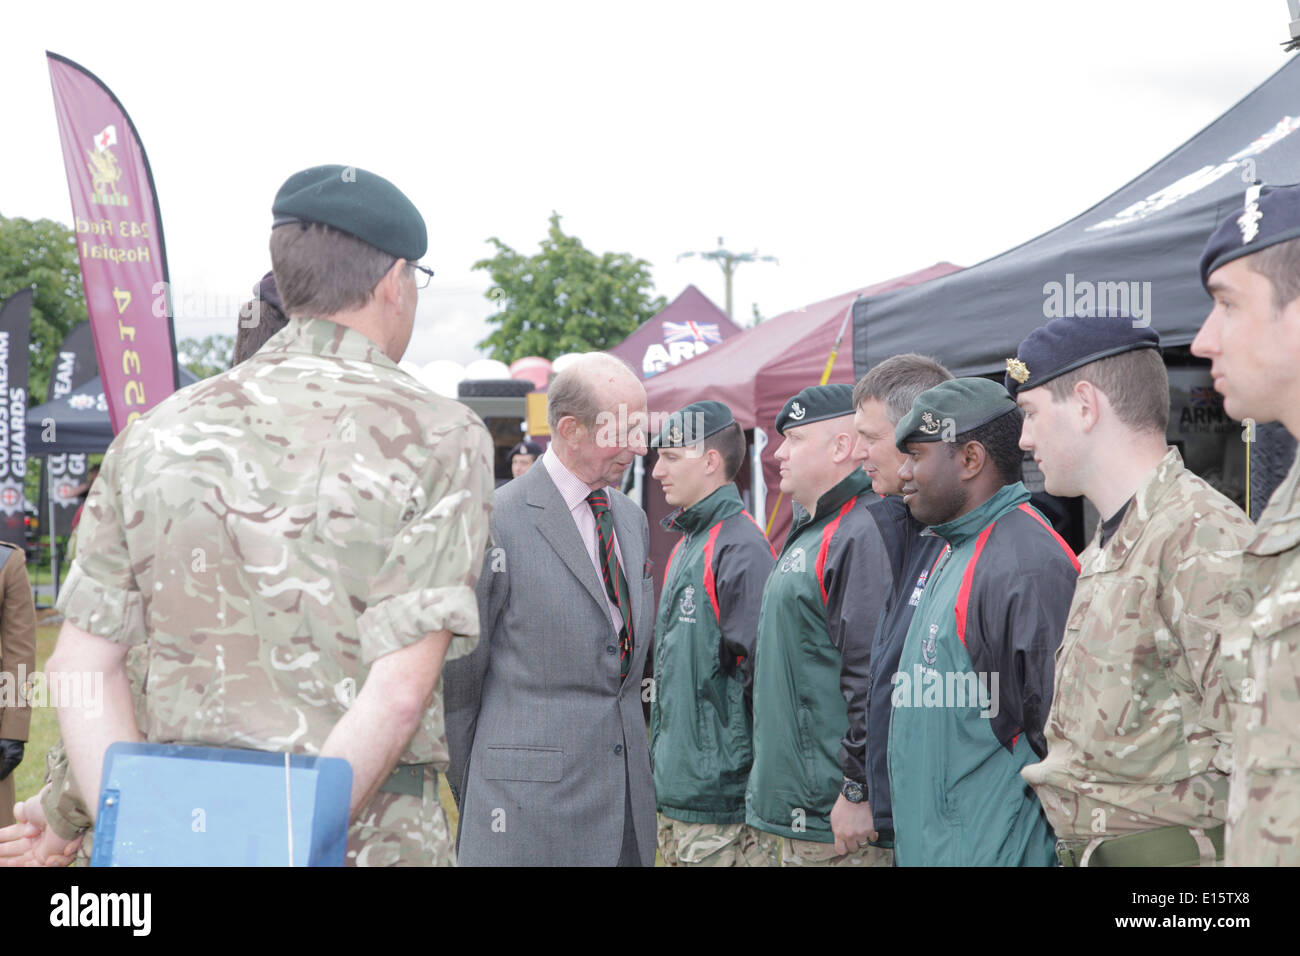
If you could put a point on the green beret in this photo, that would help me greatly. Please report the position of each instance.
(694, 423)
(354, 201)
(953, 408)
(814, 404)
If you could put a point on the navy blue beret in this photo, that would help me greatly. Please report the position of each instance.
(357, 202)
(694, 423)
(814, 404)
(1267, 215)
(526, 448)
(1065, 344)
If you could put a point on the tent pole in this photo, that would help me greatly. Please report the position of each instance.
(54, 544)
(826, 377)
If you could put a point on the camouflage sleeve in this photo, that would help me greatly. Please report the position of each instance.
(65, 814)
(100, 595)
(1193, 605)
(427, 581)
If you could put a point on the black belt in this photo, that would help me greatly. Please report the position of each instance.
(408, 780)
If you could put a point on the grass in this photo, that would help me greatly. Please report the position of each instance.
(44, 733)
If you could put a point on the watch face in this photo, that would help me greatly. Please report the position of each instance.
(852, 791)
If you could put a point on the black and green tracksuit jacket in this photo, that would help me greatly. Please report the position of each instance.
(701, 727)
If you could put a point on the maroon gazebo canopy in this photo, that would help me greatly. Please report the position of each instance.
(755, 373)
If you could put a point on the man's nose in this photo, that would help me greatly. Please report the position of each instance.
(1206, 343)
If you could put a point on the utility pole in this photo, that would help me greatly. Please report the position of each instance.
(728, 261)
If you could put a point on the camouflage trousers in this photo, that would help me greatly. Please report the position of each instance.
(403, 830)
(714, 844)
(807, 853)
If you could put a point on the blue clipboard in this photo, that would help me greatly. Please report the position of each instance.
(169, 805)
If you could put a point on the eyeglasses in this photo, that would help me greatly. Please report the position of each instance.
(422, 276)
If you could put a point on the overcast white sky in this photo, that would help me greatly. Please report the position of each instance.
(853, 141)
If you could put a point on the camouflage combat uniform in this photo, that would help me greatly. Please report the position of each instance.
(1138, 736)
(1261, 642)
(268, 533)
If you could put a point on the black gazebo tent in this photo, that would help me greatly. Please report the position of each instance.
(77, 422)
(1136, 249)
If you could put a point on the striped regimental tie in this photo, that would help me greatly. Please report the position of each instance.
(615, 582)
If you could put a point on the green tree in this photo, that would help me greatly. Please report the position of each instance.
(564, 299)
(43, 254)
(206, 357)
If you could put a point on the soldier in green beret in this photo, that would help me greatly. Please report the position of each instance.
(1252, 338)
(880, 399)
(295, 542)
(975, 675)
(701, 723)
(820, 607)
(1138, 736)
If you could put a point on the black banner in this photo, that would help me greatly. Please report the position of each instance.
(15, 327)
(74, 366)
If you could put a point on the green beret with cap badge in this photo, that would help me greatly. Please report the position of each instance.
(692, 424)
(953, 408)
(814, 404)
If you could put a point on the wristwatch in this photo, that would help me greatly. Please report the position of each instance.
(853, 791)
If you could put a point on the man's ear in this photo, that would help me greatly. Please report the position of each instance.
(843, 446)
(391, 288)
(712, 462)
(972, 458)
(1089, 406)
(570, 429)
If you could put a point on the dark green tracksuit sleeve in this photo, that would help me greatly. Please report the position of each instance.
(858, 579)
(742, 561)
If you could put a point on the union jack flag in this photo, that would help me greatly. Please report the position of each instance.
(691, 332)
(1204, 397)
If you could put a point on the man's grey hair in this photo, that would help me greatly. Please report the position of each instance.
(897, 381)
(321, 271)
(573, 392)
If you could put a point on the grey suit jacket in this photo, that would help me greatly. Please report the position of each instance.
(544, 737)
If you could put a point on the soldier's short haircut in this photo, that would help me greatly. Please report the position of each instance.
(897, 381)
(730, 444)
(1280, 265)
(570, 392)
(1135, 383)
(1001, 439)
(321, 271)
(258, 321)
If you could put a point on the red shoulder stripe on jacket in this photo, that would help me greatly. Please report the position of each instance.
(828, 532)
(760, 531)
(710, 582)
(963, 596)
(1025, 507)
(672, 554)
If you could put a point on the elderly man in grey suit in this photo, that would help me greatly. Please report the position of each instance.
(548, 708)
